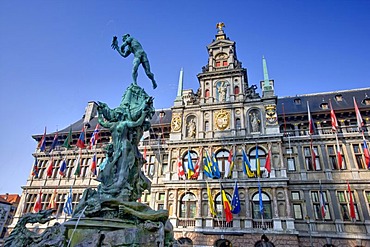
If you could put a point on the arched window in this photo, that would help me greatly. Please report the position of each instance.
(221, 157)
(185, 161)
(266, 203)
(236, 90)
(206, 126)
(185, 242)
(238, 124)
(207, 94)
(223, 243)
(218, 203)
(188, 206)
(253, 158)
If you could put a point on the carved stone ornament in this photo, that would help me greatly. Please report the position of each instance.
(176, 123)
(222, 119)
(271, 116)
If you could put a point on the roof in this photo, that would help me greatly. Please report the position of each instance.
(298, 104)
(2, 200)
(11, 198)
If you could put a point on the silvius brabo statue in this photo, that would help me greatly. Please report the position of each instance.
(131, 45)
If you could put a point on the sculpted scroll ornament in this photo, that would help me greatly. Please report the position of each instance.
(176, 123)
(222, 119)
(271, 116)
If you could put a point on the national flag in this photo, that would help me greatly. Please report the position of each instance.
(211, 203)
(227, 206)
(42, 143)
(334, 122)
(313, 157)
(311, 125)
(360, 122)
(95, 136)
(235, 202)
(366, 154)
(67, 208)
(55, 142)
(63, 168)
(260, 198)
(339, 158)
(68, 141)
(35, 169)
(247, 166)
(268, 161)
(38, 203)
(53, 200)
(215, 168)
(81, 139)
(93, 165)
(197, 167)
(190, 165)
(322, 203)
(78, 166)
(180, 169)
(258, 163)
(230, 165)
(207, 166)
(49, 171)
(352, 212)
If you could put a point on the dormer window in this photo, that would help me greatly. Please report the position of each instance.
(339, 97)
(221, 60)
(297, 101)
(324, 106)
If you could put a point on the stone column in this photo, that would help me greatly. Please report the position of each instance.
(277, 221)
(248, 217)
(287, 203)
(198, 217)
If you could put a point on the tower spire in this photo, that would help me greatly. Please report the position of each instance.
(265, 72)
(267, 85)
(180, 85)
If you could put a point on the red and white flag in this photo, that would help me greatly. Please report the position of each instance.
(352, 212)
(38, 205)
(360, 122)
(180, 169)
(334, 122)
(311, 125)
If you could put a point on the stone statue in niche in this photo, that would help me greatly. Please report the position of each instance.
(255, 122)
(222, 89)
(191, 128)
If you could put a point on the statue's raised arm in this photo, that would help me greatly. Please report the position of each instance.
(131, 45)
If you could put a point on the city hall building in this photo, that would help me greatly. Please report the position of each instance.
(314, 192)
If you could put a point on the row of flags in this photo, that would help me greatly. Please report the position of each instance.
(335, 128)
(233, 206)
(67, 207)
(68, 141)
(211, 168)
(63, 167)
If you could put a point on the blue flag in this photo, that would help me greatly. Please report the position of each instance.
(260, 197)
(68, 203)
(55, 142)
(190, 165)
(215, 169)
(207, 166)
(235, 202)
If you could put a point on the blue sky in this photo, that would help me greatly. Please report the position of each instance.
(55, 56)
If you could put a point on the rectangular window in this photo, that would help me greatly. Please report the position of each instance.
(218, 64)
(297, 205)
(224, 63)
(344, 205)
(312, 163)
(164, 164)
(358, 156)
(315, 196)
(291, 164)
(333, 158)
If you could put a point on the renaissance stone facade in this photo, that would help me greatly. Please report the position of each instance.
(227, 114)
